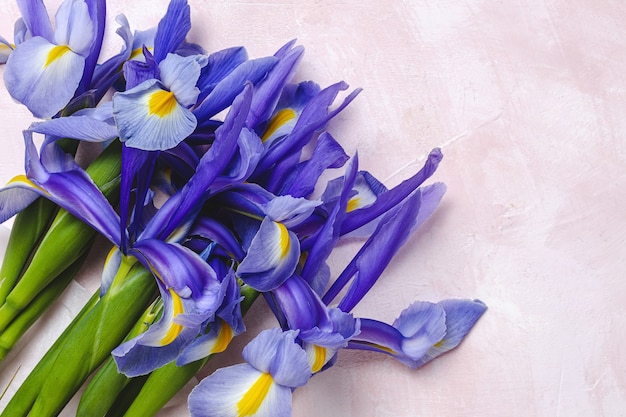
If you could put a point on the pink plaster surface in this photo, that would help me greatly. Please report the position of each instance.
(527, 100)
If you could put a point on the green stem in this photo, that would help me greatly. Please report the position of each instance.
(104, 388)
(28, 226)
(40, 304)
(92, 340)
(27, 393)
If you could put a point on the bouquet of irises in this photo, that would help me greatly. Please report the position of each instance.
(205, 186)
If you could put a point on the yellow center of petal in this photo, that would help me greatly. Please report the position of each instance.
(253, 398)
(56, 53)
(24, 180)
(223, 338)
(279, 119)
(353, 204)
(175, 328)
(161, 103)
(319, 353)
(284, 240)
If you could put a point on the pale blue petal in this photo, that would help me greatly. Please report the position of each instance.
(74, 26)
(39, 81)
(289, 210)
(461, 316)
(272, 257)
(218, 394)
(144, 127)
(5, 50)
(180, 75)
(276, 351)
(16, 196)
(77, 127)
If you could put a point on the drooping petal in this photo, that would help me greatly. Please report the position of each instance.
(67, 185)
(461, 315)
(417, 330)
(159, 345)
(43, 76)
(150, 118)
(84, 128)
(239, 391)
(272, 257)
(215, 341)
(16, 196)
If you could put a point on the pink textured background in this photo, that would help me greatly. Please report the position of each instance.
(528, 101)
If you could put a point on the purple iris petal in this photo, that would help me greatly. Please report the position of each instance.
(216, 231)
(172, 29)
(221, 63)
(326, 238)
(182, 270)
(268, 91)
(314, 117)
(81, 127)
(391, 198)
(222, 95)
(36, 18)
(376, 254)
(318, 324)
(15, 197)
(97, 12)
(327, 154)
(72, 189)
(188, 201)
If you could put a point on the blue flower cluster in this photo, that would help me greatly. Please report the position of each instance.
(220, 209)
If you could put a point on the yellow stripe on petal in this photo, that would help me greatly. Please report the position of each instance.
(24, 180)
(175, 328)
(319, 359)
(56, 53)
(353, 204)
(224, 337)
(279, 119)
(253, 398)
(284, 240)
(161, 103)
(380, 347)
